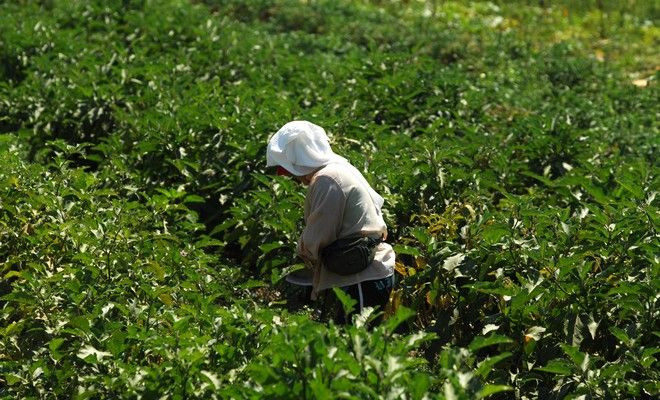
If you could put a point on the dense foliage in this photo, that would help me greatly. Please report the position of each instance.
(143, 243)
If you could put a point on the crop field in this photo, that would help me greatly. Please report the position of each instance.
(143, 241)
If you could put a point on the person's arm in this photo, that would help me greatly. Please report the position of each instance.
(326, 211)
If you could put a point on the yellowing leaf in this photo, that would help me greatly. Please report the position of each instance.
(429, 297)
(640, 82)
(444, 301)
(546, 272)
(157, 270)
(400, 268)
(600, 55)
(473, 214)
(12, 274)
(393, 304)
(166, 298)
(534, 333)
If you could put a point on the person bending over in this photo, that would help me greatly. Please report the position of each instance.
(342, 243)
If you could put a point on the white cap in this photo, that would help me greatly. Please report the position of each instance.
(300, 147)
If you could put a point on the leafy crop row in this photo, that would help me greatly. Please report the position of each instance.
(142, 242)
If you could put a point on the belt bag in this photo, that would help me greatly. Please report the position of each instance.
(349, 255)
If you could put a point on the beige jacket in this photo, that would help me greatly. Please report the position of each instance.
(338, 206)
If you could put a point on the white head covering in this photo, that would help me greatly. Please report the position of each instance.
(301, 147)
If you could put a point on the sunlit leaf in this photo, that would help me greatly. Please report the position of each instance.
(558, 366)
(485, 341)
(490, 389)
(91, 354)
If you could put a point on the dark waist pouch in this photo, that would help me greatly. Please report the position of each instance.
(349, 255)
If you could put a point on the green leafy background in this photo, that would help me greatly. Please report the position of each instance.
(143, 242)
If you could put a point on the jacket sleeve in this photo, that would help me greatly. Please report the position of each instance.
(325, 201)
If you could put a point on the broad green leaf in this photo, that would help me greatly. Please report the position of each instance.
(13, 274)
(493, 288)
(277, 275)
(401, 315)
(19, 297)
(115, 343)
(193, 198)
(632, 188)
(92, 355)
(542, 179)
(620, 334)
(157, 270)
(348, 303)
(209, 242)
(252, 283)
(495, 233)
(596, 193)
(575, 355)
(13, 379)
(485, 341)
(648, 357)
(557, 366)
(404, 249)
(491, 389)
(268, 247)
(166, 298)
(54, 346)
(485, 367)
